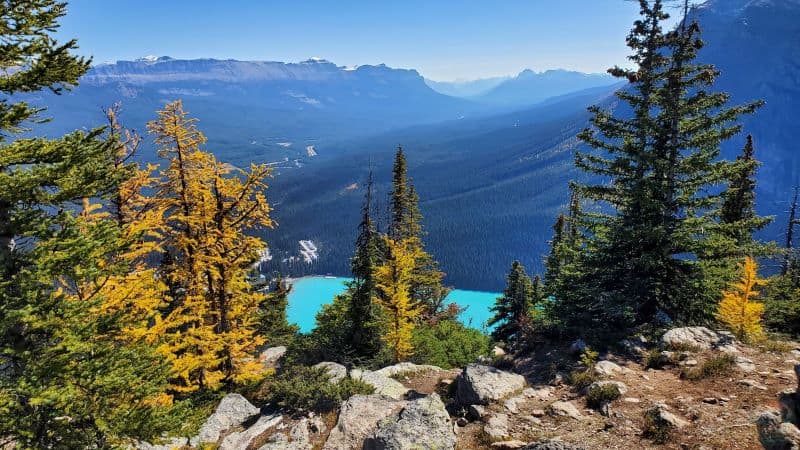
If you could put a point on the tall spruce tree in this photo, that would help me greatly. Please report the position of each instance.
(737, 214)
(365, 333)
(564, 248)
(405, 224)
(790, 257)
(555, 259)
(513, 308)
(662, 162)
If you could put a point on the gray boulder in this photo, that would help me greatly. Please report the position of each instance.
(233, 411)
(607, 369)
(359, 418)
(564, 409)
(659, 416)
(407, 368)
(578, 346)
(336, 371)
(383, 384)
(774, 434)
(698, 337)
(243, 439)
(479, 384)
(270, 357)
(422, 424)
(552, 445)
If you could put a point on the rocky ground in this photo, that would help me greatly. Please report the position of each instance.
(693, 389)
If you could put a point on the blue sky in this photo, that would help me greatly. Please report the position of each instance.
(443, 39)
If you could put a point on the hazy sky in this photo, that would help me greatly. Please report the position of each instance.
(443, 39)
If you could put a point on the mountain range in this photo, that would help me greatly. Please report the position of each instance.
(490, 159)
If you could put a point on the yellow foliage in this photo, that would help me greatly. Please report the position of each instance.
(737, 310)
(209, 330)
(393, 281)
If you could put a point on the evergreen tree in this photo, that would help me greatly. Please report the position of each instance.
(790, 258)
(647, 253)
(514, 308)
(365, 336)
(405, 225)
(273, 323)
(70, 377)
(555, 258)
(737, 214)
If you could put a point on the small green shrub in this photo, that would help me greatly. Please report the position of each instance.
(656, 359)
(682, 347)
(601, 394)
(713, 367)
(448, 344)
(776, 346)
(581, 379)
(589, 357)
(655, 429)
(302, 388)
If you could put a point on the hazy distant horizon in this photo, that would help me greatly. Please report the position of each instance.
(444, 41)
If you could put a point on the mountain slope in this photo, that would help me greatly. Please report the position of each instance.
(491, 187)
(253, 109)
(466, 89)
(529, 87)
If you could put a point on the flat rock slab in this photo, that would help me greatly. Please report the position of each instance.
(407, 368)
(480, 384)
(359, 417)
(383, 384)
(233, 411)
(243, 439)
(423, 424)
(564, 409)
(496, 427)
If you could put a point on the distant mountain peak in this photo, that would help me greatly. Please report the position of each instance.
(152, 59)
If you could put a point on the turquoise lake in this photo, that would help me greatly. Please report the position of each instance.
(308, 294)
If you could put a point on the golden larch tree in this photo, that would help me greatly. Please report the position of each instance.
(737, 310)
(393, 281)
(137, 293)
(209, 327)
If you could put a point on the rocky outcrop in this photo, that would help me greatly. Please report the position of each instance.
(779, 430)
(383, 384)
(480, 384)
(406, 368)
(775, 434)
(700, 338)
(243, 439)
(423, 424)
(358, 419)
(233, 411)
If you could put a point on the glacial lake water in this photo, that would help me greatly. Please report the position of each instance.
(308, 294)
